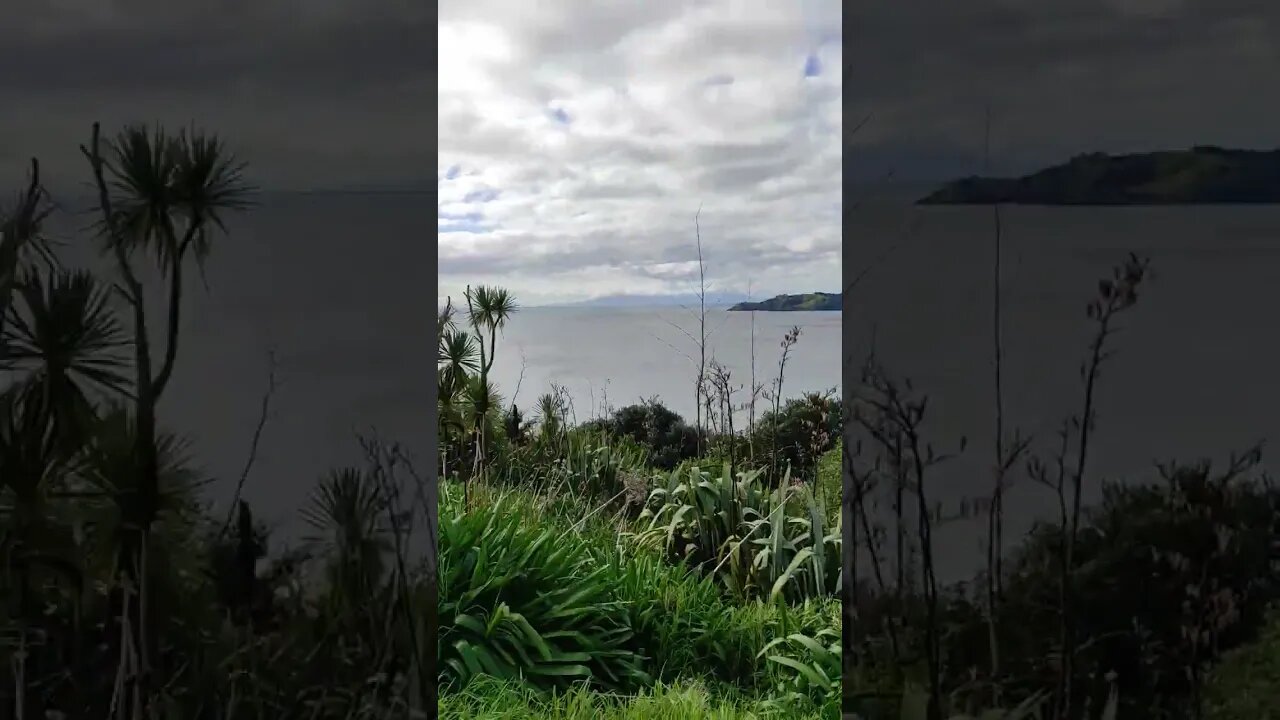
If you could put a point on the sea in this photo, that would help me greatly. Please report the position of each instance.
(607, 358)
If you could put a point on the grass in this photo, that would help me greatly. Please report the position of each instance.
(497, 700)
(1245, 684)
(553, 605)
(632, 565)
(829, 481)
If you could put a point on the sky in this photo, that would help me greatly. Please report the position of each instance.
(1061, 77)
(579, 141)
(314, 94)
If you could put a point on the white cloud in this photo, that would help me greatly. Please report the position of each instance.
(578, 140)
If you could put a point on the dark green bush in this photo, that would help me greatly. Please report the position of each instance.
(795, 438)
(669, 438)
(1159, 565)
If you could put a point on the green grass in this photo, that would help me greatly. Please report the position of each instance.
(551, 608)
(1245, 685)
(829, 481)
(489, 699)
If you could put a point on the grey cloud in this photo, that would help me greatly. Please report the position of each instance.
(674, 106)
(730, 152)
(743, 261)
(607, 191)
(319, 94)
(748, 172)
(581, 29)
(518, 256)
(663, 271)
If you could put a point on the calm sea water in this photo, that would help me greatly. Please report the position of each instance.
(611, 357)
(1195, 374)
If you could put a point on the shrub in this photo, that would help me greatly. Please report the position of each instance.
(794, 438)
(1169, 576)
(669, 438)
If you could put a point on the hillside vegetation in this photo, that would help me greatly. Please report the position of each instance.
(808, 302)
(1199, 175)
(633, 565)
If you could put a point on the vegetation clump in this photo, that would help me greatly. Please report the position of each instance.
(1135, 607)
(1203, 174)
(124, 595)
(810, 302)
(631, 563)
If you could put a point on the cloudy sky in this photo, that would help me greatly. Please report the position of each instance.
(1061, 77)
(313, 93)
(577, 142)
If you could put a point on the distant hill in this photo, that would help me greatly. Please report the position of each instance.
(688, 300)
(795, 303)
(1201, 175)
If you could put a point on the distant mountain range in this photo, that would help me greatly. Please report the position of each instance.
(688, 300)
(808, 302)
(1201, 175)
(732, 300)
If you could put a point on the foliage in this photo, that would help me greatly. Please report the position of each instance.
(812, 663)
(1246, 682)
(1164, 569)
(810, 302)
(633, 617)
(618, 555)
(523, 601)
(123, 594)
(669, 439)
(791, 440)
(1198, 175)
(759, 543)
(578, 463)
(1124, 609)
(494, 700)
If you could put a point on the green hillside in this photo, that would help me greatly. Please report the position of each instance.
(807, 302)
(1202, 175)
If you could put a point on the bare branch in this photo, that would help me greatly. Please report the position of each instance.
(523, 365)
(253, 445)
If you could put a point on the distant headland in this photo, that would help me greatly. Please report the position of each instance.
(1201, 175)
(808, 302)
